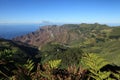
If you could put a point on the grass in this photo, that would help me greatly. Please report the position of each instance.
(111, 51)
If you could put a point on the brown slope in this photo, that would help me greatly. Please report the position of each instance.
(48, 34)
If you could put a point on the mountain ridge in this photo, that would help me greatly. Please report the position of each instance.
(62, 34)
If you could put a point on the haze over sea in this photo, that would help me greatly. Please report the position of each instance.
(13, 30)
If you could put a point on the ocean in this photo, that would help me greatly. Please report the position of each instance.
(11, 31)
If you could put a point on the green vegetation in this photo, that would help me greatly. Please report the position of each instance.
(115, 34)
(54, 63)
(94, 63)
(90, 52)
(68, 56)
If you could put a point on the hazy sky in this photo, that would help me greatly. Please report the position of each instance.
(63, 11)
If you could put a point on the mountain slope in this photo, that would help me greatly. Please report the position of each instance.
(64, 34)
(91, 38)
(17, 51)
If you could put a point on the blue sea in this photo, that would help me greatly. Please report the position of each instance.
(11, 31)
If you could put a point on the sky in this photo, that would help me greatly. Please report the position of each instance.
(59, 11)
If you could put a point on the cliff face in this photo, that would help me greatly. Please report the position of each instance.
(64, 34)
(48, 34)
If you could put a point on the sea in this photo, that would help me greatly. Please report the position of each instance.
(14, 30)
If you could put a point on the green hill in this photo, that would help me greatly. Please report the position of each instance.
(91, 38)
(70, 51)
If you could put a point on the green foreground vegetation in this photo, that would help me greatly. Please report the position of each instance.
(92, 57)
